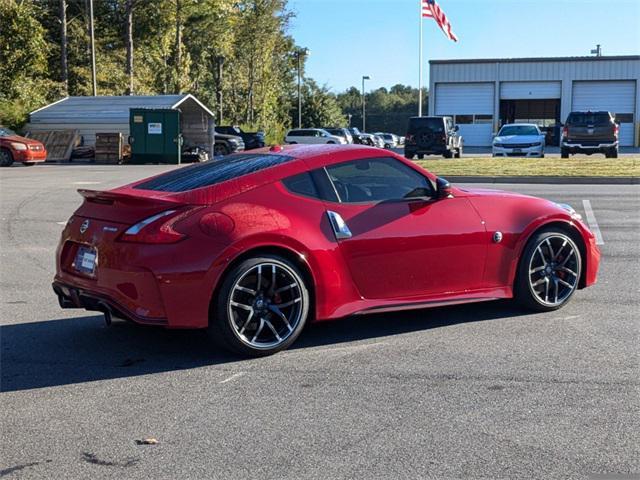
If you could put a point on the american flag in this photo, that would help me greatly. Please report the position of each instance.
(430, 9)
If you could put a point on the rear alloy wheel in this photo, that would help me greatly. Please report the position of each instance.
(262, 307)
(549, 271)
(6, 159)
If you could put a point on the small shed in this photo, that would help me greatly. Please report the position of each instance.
(110, 114)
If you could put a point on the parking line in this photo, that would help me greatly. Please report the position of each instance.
(235, 375)
(591, 220)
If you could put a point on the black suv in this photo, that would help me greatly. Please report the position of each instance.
(590, 132)
(251, 139)
(432, 136)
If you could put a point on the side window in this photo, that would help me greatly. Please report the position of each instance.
(294, 133)
(301, 184)
(376, 180)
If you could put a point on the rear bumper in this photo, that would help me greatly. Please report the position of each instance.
(431, 150)
(73, 297)
(576, 145)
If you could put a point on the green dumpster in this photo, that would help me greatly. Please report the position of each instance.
(154, 135)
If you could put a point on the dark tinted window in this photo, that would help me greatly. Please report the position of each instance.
(434, 124)
(212, 172)
(378, 179)
(588, 118)
(295, 133)
(301, 184)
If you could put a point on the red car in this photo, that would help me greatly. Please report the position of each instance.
(14, 148)
(255, 246)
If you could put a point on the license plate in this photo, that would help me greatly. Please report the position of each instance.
(85, 261)
(517, 150)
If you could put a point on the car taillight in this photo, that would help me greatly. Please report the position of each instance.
(565, 131)
(158, 228)
(616, 129)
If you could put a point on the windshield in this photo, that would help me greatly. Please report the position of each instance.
(6, 132)
(518, 130)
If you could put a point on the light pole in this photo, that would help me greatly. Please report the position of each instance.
(349, 115)
(364, 112)
(219, 64)
(300, 52)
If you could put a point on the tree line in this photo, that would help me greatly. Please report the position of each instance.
(234, 53)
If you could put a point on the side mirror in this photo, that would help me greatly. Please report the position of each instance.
(456, 128)
(443, 188)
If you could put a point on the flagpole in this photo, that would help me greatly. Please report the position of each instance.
(420, 64)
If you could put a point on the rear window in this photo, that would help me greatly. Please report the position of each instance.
(434, 124)
(212, 172)
(586, 118)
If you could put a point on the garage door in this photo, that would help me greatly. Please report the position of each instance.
(613, 96)
(467, 99)
(529, 90)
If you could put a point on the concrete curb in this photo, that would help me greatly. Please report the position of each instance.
(547, 180)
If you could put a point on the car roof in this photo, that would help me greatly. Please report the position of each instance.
(519, 125)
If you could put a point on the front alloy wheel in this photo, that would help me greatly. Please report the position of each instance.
(263, 306)
(549, 271)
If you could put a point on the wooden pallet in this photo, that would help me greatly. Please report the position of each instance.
(109, 147)
(59, 143)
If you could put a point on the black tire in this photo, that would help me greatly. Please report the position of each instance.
(564, 153)
(28, 164)
(447, 154)
(421, 156)
(220, 149)
(524, 289)
(6, 159)
(221, 323)
(331, 142)
(408, 156)
(613, 153)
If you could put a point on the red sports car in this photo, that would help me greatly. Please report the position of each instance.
(14, 148)
(255, 246)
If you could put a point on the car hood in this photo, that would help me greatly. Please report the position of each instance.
(18, 138)
(518, 139)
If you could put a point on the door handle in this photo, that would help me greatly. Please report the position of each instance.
(340, 228)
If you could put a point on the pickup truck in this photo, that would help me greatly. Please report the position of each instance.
(590, 132)
(251, 139)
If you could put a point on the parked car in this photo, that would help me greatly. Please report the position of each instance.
(519, 140)
(227, 144)
(341, 132)
(432, 136)
(14, 148)
(378, 141)
(590, 132)
(390, 140)
(312, 135)
(255, 246)
(251, 139)
(357, 136)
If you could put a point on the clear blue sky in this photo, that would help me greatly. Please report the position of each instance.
(351, 38)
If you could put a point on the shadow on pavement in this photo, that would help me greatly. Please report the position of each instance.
(83, 349)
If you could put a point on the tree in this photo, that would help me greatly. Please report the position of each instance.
(320, 107)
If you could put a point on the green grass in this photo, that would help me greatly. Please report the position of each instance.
(583, 166)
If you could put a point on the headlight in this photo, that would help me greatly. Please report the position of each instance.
(18, 146)
(498, 145)
(570, 209)
(234, 141)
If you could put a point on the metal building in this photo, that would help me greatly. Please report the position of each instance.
(110, 114)
(484, 94)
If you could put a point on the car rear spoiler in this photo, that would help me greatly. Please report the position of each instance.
(105, 197)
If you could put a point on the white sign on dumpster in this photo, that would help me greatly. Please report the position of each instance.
(154, 128)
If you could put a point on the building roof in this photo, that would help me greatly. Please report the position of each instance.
(108, 108)
(591, 58)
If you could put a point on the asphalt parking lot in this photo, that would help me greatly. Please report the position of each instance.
(476, 391)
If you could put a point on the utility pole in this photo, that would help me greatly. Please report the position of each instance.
(300, 52)
(92, 42)
(597, 51)
(364, 112)
(219, 65)
(129, 43)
